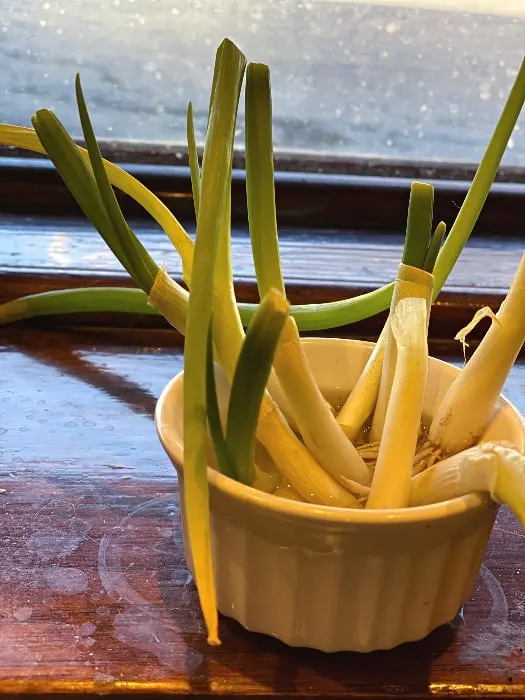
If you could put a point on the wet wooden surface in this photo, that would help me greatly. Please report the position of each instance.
(94, 593)
(41, 254)
(347, 258)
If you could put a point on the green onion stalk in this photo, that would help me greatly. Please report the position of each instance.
(218, 156)
(320, 431)
(495, 469)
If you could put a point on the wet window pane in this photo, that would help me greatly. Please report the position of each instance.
(350, 78)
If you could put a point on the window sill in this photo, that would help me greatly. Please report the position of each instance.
(43, 253)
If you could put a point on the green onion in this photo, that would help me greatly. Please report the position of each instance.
(249, 382)
(220, 449)
(289, 454)
(79, 300)
(362, 399)
(419, 224)
(143, 269)
(78, 178)
(434, 247)
(194, 161)
(21, 137)
(470, 402)
(170, 300)
(393, 470)
(218, 155)
(321, 433)
(412, 281)
(260, 192)
(496, 469)
(481, 184)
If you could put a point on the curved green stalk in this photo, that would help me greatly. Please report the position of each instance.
(323, 436)
(220, 449)
(260, 191)
(75, 301)
(434, 247)
(481, 184)
(143, 269)
(309, 317)
(194, 161)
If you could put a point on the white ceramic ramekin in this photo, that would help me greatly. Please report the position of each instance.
(335, 579)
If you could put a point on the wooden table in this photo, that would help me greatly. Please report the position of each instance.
(94, 593)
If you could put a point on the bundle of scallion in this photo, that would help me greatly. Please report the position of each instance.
(276, 431)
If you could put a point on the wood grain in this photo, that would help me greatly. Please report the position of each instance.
(39, 254)
(349, 258)
(94, 593)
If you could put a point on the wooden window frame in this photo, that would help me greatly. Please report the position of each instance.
(313, 193)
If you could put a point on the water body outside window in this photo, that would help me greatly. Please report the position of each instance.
(413, 79)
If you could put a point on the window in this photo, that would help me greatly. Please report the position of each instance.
(410, 79)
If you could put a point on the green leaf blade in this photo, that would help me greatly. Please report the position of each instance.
(77, 175)
(220, 449)
(250, 380)
(144, 270)
(260, 191)
(434, 247)
(419, 224)
(194, 160)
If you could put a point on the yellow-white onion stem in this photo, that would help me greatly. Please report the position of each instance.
(393, 470)
(322, 434)
(170, 300)
(470, 402)
(493, 468)
(410, 282)
(360, 403)
(296, 464)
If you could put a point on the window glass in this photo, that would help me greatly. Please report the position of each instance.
(418, 80)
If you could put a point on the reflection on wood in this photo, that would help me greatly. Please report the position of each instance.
(95, 594)
(343, 258)
(49, 254)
